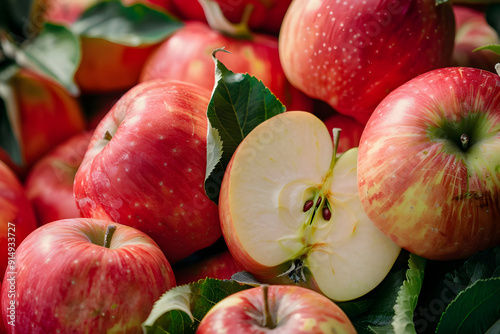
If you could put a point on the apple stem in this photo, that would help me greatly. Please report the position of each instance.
(108, 136)
(217, 21)
(464, 138)
(109, 234)
(268, 318)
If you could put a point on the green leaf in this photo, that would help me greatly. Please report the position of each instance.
(181, 309)
(128, 25)
(239, 103)
(55, 53)
(475, 309)
(407, 299)
(9, 124)
(492, 47)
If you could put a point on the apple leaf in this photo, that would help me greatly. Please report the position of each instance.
(9, 125)
(132, 25)
(239, 103)
(407, 299)
(492, 47)
(475, 309)
(181, 308)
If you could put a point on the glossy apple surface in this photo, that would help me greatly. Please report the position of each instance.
(17, 218)
(290, 211)
(190, 48)
(429, 160)
(49, 184)
(145, 167)
(352, 54)
(280, 309)
(69, 280)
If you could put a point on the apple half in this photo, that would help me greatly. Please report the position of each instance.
(290, 211)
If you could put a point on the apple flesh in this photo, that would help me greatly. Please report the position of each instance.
(145, 167)
(428, 164)
(276, 309)
(352, 54)
(49, 184)
(73, 274)
(290, 211)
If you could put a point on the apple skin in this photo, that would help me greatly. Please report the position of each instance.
(220, 266)
(48, 116)
(266, 15)
(67, 281)
(420, 188)
(150, 175)
(17, 218)
(49, 184)
(352, 56)
(190, 49)
(472, 31)
(293, 309)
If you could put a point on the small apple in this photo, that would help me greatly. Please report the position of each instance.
(190, 48)
(221, 265)
(48, 115)
(49, 184)
(145, 167)
(351, 54)
(473, 31)
(84, 275)
(275, 309)
(290, 211)
(17, 218)
(429, 164)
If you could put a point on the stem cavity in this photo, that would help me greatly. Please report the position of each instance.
(109, 234)
(464, 138)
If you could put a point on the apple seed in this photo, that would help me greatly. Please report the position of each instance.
(308, 205)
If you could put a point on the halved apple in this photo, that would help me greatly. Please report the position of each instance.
(291, 214)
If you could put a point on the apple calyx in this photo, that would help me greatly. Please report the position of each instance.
(269, 321)
(109, 234)
(217, 21)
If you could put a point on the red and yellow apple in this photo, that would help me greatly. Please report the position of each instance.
(429, 164)
(145, 167)
(84, 275)
(290, 211)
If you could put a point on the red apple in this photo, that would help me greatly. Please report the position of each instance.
(275, 309)
(290, 211)
(428, 165)
(49, 184)
(17, 219)
(352, 54)
(145, 167)
(190, 49)
(80, 275)
(266, 15)
(48, 115)
(221, 266)
(472, 31)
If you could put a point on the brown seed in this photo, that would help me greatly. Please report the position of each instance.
(318, 202)
(327, 214)
(307, 205)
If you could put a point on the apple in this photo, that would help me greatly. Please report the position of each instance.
(190, 48)
(428, 164)
(472, 31)
(221, 265)
(17, 218)
(275, 309)
(84, 275)
(290, 211)
(49, 184)
(352, 54)
(145, 167)
(266, 16)
(47, 114)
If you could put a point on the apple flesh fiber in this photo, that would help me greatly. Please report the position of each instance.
(145, 167)
(73, 275)
(290, 211)
(429, 164)
(276, 309)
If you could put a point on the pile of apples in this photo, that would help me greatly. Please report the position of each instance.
(390, 140)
